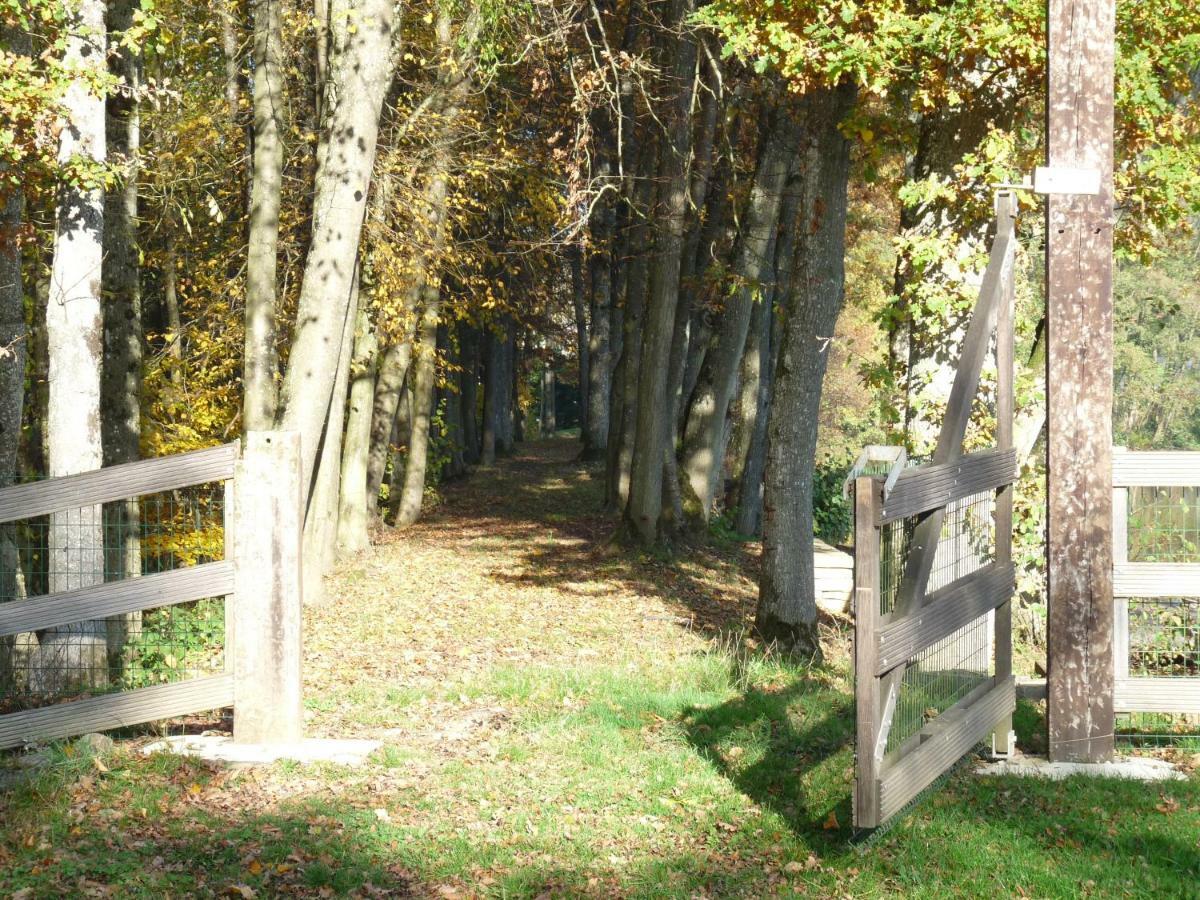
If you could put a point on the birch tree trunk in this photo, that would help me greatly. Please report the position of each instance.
(266, 184)
(360, 74)
(77, 655)
(787, 611)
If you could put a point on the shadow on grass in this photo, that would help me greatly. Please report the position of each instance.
(802, 738)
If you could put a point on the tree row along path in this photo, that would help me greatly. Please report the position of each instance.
(559, 718)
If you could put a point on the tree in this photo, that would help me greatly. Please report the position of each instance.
(77, 654)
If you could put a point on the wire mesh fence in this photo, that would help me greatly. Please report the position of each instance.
(947, 672)
(93, 545)
(1164, 632)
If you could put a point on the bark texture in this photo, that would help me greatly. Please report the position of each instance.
(77, 655)
(266, 185)
(787, 610)
(360, 73)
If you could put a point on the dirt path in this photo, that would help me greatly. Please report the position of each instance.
(510, 568)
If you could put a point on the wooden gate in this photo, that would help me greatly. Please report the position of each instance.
(257, 656)
(934, 579)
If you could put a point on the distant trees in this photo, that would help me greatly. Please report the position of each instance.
(408, 230)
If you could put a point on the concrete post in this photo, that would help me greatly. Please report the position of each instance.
(268, 522)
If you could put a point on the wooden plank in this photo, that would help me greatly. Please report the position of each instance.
(150, 476)
(945, 612)
(1079, 231)
(1155, 469)
(115, 710)
(945, 741)
(1005, 410)
(1161, 695)
(931, 487)
(1150, 580)
(117, 598)
(867, 497)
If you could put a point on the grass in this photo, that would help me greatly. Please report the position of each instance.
(560, 721)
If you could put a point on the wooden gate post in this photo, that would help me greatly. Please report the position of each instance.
(268, 522)
(867, 497)
(1079, 393)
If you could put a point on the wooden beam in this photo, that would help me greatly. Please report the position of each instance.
(867, 496)
(148, 476)
(115, 598)
(937, 486)
(943, 741)
(1165, 695)
(1079, 383)
(1149, 580)
(1155, 469)
(115, 710)
(945, 612)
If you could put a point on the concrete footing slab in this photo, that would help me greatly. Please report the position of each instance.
(221, 748)
(1136, 768)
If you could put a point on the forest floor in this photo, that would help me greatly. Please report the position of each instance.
(559, 718)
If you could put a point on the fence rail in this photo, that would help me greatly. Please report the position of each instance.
(259, 577)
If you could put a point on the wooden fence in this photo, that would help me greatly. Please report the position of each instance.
(933, 632)
(1153, 581)
(259, 576)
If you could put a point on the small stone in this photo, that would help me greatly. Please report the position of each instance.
(96, 744)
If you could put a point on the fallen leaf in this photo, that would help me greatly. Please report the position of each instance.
(831, 823)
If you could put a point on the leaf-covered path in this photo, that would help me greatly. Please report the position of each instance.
(512, 568)
(563, 719)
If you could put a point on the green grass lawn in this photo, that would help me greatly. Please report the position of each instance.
(618, 753)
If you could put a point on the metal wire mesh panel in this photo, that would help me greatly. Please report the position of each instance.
(112, 542)
(945, 673)
(1164, 524)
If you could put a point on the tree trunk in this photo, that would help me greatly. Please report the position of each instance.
(579, 300)
(704, 440)
(353, 514)
(751, 464)
(389, 388)
(321, 519)
(456, 464)
(14, 649)
(121, 385)
(361, 72)
(787, 610)
(493, 359)
(624, 427)
(74, 656)
(645, 505)
(266, 184)
(424, 384)
(595, 438)
(549, 415)
(468, 386)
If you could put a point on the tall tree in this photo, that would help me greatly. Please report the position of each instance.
(360, 72)
(787, 610)
(78, 653)
(266, 186)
